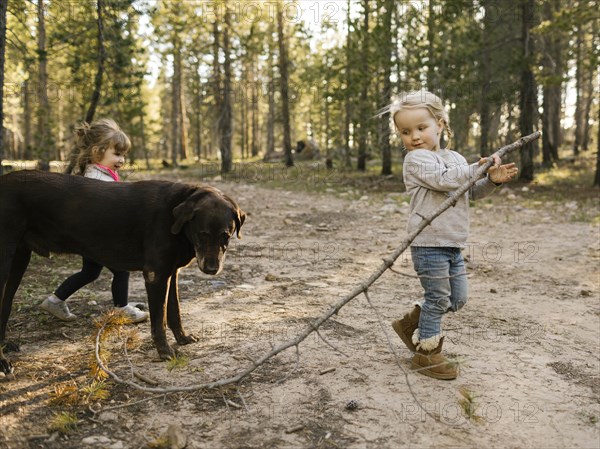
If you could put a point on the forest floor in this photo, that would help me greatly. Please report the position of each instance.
(527, 340)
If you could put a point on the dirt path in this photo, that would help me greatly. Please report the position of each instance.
(528, 339)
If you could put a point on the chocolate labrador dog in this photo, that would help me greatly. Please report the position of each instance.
(153, 226)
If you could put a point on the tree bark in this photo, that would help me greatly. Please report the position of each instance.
(365, 81)
(175, 106)
(528, 91)
(271, 95)
(183, 138)
(386, 149)
(552, 71)
(243, 107)
(486, 77)
(44, 137)
(95, 98)
(217, 92)
(226, 115)
(285, 101)
(432, 78)
(578, 92)
(198, 111)
(597, 176)
(254, 109)
(348, 96)
(3, 7)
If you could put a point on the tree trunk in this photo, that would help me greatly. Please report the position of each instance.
(486, 77)
(597, 176)
(44, 139)
(365, 81)
(254, 109)
(183, 138)
(327, 134)
(243, 107)
(271, 113)
(175, 105)
(551, 103)
(348, 96)
(3, 6)
(143, 136)
(285, 101)
(226, 115)
(589, 72)
(27, 140)
(388, 43)
(216, 132)
(432, 29)
(94, 100)
(578, 92)
(528, 91)
(198, 112)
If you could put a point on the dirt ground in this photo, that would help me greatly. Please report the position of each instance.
(527, 340)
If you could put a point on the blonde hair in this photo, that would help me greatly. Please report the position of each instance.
(92, 140)
(421, 99)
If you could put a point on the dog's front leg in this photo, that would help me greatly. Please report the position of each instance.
(156, 287)
(174, 315)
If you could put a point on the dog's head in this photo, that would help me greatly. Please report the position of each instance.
(209, 218)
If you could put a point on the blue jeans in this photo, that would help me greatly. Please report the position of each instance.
(441, 295)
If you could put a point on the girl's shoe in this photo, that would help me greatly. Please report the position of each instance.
(406, 327)
(434, 364)
(59, 309)
(132, 313)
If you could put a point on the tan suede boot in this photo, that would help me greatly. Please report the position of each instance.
(433, 363)
(405, 327)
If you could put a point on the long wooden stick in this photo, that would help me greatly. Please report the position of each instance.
(335, 308)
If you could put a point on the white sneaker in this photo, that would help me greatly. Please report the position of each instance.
(134, 314)
(60, 310)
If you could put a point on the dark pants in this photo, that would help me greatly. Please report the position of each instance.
(89, 273)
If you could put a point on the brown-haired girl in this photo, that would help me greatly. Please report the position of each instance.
(102, 148)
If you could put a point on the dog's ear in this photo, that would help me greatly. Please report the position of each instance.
(185, 211)
(240, 217)
(182, 213)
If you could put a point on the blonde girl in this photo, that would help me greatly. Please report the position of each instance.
(102, 147)
(430, 174)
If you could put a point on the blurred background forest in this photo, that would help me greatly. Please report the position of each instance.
(195, 81)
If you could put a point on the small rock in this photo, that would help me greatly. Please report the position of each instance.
(525, 189)
(363, 198)
(117, 445)
(585, 293)
(390, 208)
(92, 303)
(270, 277)
(493, 290)
(352, 404)
(177, 438)
(99, 439)
(108, 416)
